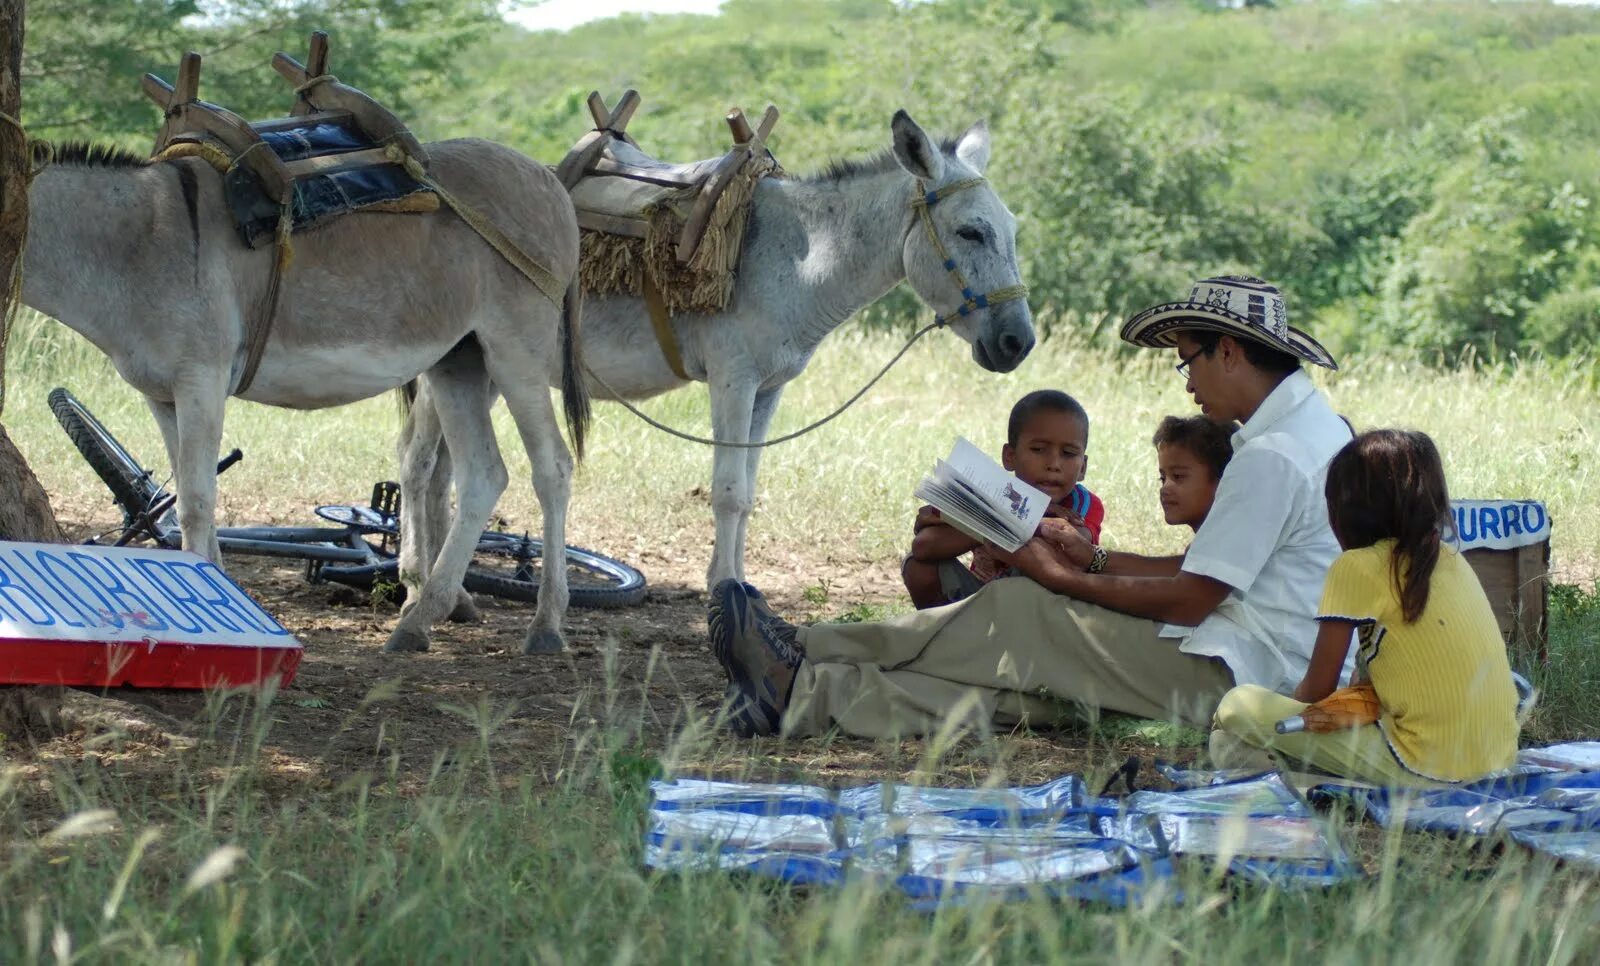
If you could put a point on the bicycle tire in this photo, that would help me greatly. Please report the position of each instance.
(616, 584)
(601, 582)
(131, 485)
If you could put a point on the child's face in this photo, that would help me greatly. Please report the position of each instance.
(1187, 486)
(1051, 453)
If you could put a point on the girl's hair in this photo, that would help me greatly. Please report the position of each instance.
(1389, 484)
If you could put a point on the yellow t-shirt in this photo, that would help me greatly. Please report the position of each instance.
(1449, 705)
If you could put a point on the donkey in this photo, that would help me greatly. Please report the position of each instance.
(817, 249)
(143, 260)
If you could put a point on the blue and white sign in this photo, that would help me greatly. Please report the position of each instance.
(113, 616)
(1499, 524)
(111, 594)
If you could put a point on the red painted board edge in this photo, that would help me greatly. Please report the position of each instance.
(145, 664)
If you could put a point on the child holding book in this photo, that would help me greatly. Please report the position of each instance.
(1191, 454)
(1428, 640)
(1047, 447)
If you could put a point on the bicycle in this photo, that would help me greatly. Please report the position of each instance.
(361, 551)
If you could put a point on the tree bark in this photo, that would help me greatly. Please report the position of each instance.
(25, 512)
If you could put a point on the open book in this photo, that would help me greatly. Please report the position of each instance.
(979, 498)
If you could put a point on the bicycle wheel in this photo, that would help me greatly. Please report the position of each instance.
(509, 567)
(131, 485)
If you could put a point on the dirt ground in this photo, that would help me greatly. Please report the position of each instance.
(353, 709)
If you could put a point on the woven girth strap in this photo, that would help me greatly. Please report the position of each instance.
(541, 277)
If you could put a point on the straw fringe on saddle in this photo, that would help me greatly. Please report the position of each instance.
(619, 264)
(670, 233)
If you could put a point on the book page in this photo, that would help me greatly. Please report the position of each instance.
(982, 499)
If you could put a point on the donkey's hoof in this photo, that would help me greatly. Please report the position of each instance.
(404, 640)
(544, 642)
(466, 610)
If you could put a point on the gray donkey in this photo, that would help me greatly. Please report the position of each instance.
(142, 258)
(817, 250)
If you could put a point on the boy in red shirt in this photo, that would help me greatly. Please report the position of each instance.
(1047, 444)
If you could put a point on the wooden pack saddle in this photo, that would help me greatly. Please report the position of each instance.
(670, 233)
(337, 151)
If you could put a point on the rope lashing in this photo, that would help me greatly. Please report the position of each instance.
(315, 82)
(970, 301)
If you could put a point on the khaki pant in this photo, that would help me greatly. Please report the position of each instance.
(1244, 733)
(1014, 651)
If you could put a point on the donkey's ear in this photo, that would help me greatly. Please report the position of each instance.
(915, 151)
(973, 148)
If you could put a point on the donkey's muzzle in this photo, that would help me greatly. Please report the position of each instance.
(1007, 340)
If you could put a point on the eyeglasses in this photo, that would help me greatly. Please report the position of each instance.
(1183, 367)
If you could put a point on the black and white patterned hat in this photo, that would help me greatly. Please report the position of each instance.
(1235, 305)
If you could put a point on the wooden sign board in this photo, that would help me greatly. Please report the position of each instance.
(110, 616)
(1507, 542)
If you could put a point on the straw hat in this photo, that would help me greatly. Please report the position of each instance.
(1236, 305)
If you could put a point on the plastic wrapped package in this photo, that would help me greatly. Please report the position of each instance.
(1572, 756)
(1266, 795)
(1251, 836)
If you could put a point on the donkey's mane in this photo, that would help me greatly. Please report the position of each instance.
(87, 154)
(842, 169)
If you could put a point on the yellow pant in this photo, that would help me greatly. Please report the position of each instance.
(1243, 730)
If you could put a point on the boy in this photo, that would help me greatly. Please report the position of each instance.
(1191, 454)
(1047, 442)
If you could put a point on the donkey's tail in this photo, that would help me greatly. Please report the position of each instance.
(574, 394)
(405, 397)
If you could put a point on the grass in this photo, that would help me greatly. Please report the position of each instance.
(221, 854)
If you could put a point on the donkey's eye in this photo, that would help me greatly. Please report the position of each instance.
(971, 234)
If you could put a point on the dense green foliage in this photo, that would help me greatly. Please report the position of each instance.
(1416, 174)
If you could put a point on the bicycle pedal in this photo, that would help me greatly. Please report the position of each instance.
(386, 498)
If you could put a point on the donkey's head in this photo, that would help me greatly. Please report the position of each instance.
(961, 252)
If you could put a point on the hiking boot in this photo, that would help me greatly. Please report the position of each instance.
(760, 653)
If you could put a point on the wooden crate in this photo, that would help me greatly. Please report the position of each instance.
(1516, 578)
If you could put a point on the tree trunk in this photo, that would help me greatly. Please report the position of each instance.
(25, 512)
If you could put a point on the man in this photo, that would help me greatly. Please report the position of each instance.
(1158, 637)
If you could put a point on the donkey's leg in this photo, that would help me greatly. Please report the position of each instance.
(437, 511)
(461, 400)
(530, 406)
(760, 419)
(732, 408)
(166, 415)
(198, 403)
(418, 454)
(425, 503)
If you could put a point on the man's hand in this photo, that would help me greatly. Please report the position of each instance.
(1069, 537)
(927, 516)
(1038, 559)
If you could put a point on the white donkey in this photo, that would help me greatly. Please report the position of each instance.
(142, 258)
(817, 250)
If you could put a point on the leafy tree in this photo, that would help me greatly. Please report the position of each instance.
(84, 58)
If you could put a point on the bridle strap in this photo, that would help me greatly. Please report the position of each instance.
(970, 301)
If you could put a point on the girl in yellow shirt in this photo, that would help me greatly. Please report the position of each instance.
(1428, 640)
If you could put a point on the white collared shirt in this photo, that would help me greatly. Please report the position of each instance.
(1267, 537)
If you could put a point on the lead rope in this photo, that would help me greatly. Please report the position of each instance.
(630, 407)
